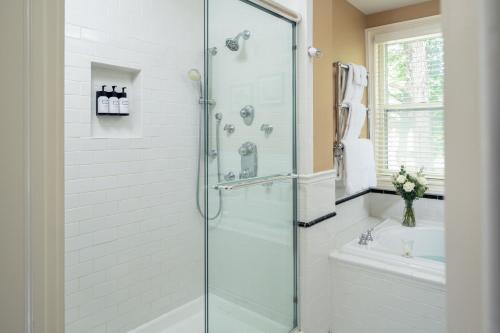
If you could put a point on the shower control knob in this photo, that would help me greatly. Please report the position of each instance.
(245, 149)
(229, 176)
(244, 174)
(247, 113)
(267, 129)
(213, 153)
(229, 128)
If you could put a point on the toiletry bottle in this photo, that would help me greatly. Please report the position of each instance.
(114, 106)
(123, 102)
(102, 101)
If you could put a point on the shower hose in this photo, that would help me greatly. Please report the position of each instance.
(198, 178)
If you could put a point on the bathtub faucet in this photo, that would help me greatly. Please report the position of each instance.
(369, 236)
(366, 237)
(363, 239)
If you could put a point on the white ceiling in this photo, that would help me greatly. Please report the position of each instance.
(375, 6)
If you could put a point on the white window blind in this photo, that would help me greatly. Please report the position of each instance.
(409, 115)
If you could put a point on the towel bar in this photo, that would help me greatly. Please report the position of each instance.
(342, 114)
(237, 184)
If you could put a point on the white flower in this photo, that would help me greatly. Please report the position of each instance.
(422, 180)
(401, 179)
(408, 186)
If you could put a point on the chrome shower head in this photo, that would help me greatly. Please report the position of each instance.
(234, 43)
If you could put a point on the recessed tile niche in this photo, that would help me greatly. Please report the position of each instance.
(105, 126)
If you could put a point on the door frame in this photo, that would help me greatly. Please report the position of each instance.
(44, 152)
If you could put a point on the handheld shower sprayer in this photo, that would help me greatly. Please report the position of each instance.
(195, 76)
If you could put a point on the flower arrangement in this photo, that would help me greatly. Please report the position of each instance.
(410, 187)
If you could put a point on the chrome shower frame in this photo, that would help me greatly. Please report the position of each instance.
(276, 9)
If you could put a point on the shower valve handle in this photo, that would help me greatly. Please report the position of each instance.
(267, 129)
(230, 176)
(229, 128)
(245, 149)
(247, 111)
(212, 153)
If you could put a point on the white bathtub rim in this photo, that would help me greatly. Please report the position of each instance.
(421, 264)
(415, 274)
(421, 269)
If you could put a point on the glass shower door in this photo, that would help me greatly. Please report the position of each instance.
(250, 169)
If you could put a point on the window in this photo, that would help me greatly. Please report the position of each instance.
(408, 104)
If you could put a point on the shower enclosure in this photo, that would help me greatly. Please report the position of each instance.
(180, 214)
(250, 169)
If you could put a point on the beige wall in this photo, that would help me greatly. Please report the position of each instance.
(424, 9)
(339, 31)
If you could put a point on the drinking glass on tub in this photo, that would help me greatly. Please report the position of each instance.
(407, 248)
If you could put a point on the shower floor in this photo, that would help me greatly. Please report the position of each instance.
(225, 317)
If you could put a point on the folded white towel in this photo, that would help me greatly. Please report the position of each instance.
(357, 116)
(360, 75)
(349, 85)
(356, 83)
(359, 165)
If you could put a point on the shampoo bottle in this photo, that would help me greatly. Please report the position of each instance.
(123, 100)
(114, 105)
(102, 102)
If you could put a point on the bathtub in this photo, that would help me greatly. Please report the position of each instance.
(394, 284)
(388, 251)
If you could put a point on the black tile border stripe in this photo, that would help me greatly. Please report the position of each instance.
(316, 221)
(357, 195)
(354, 196)
(426, 196)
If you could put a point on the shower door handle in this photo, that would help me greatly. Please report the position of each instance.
(234, 185)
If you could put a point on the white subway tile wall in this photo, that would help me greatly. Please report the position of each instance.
(368, 300)
(316, 244)
(316, 195)
(134, 242)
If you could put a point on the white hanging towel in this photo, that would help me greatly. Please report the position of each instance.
(359, 165)
(360, 75)
(356, 83)
(357, 116)
(359, 160)
(349, 86)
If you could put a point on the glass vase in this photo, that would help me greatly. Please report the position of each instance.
(409, 214)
